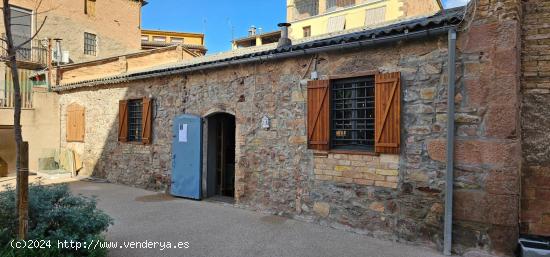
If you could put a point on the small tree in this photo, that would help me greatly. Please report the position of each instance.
(22, 174)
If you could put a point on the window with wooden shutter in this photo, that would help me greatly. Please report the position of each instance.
(89, 7)
(318, 114)
(146, 136)
(375, 16)
(387, 113)
(135, 120)
(75, 123)
(123, 121)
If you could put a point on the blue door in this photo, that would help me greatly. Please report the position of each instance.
(187, 157)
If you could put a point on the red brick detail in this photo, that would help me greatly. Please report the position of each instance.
(480, 37)
(502, 182)
(480, 91)
(535, 204)
(506, 62)
(501, 121)
(478, 152)
(478, 206)
(501, 236)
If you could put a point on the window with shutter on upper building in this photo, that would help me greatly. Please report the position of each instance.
(159, 39)
(307, 31)
(375, 16)
(75, 127)
(358, 114)
(135, 120)
(176, 40)
(89, 7)
(337, 23)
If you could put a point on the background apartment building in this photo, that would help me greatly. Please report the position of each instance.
(310, 18)
(153, 39)
(318, 17)
(87, 30)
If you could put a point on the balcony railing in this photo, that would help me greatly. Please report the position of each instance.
(33, 52)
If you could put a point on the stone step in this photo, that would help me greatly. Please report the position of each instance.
(54, 174)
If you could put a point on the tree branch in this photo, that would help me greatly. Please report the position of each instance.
(38, 5)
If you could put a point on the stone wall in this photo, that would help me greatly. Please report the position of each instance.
(395, 196)
(535, 215)
(488, 147)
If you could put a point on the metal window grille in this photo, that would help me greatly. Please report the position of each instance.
(90, 44)
(135, 111)
(352, 114)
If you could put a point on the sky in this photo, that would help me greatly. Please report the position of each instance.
(221, 20)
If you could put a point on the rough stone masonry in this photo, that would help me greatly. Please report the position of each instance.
(398, 197)
(535, 215)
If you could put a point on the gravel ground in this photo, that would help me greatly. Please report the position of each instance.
(215, 229)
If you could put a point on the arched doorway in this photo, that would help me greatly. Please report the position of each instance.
(220, 155)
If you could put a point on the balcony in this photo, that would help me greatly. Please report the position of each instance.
(32, 55)
(333, 5)
(304, 9)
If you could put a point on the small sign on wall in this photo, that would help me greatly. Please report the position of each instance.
(183, 133)
(266, 123)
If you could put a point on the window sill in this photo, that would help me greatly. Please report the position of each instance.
(350, 152)
(132, 143)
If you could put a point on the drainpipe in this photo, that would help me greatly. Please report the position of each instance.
(449, 176)
(49, 65)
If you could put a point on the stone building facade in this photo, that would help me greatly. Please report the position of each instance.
(393, 196)
(535, 216)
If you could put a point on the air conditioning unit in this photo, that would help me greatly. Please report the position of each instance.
(65, 57)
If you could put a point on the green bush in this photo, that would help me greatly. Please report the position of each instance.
(54, 215)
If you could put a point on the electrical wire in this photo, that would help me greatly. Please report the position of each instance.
(314, 58)
(472, 3)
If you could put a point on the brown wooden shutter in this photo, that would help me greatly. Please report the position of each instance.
(318, 113)
(90, 7)
(80, 124)
(71, 124)
(123, 121)
(388, 110)
(146, 121)
(75, 123)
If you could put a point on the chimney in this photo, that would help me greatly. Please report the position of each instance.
(252, 31)
(284, 40)
(58, 51)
